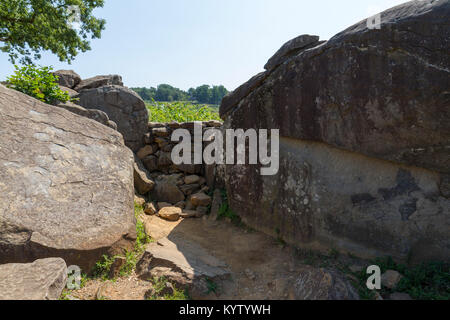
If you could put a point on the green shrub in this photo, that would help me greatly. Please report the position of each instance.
(180, 112)
(426, 281)
(37, 82)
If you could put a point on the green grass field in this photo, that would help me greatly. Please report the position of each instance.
(181, 112)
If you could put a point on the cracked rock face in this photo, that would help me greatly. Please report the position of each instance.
(66, 184)
(364, 121)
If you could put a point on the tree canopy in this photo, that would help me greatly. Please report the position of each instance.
(202, 94)
(63, 27)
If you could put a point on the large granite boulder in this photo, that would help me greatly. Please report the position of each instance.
(124, 107)
(68, 78)
(66, 184)
(43, 279)
(364, 121)
(99, 81)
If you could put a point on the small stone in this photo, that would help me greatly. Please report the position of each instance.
(152, 125)
(174, 125)
(145, 151)
(164, 159)
(400, 296)
(191, 179)
(139, 200)
(142, 182)
(190, 125)
(160, 132)
(201, 199)
(161, 142)
(189, 189)
(150, 209)
(162, 205)
(214, 123)
(170, 213)
(390, 279)
(150, 163)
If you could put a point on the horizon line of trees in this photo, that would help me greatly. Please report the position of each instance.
(164, 92)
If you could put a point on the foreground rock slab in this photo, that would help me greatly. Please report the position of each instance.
(41, 280)
(183, 262)
(66, 184)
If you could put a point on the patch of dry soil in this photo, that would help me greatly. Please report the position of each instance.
(261, 267)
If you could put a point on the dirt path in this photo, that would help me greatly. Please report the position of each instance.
(261, 267)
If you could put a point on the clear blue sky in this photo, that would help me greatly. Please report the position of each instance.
(187, 43)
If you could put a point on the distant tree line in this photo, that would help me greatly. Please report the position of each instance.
(164, 92)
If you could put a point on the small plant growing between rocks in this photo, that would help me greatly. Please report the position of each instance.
(211, 285)
(426, 281)
(164, 290)
(225, 211)
(37, 82)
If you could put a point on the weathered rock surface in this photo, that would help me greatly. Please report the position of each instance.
(66, 184)
(201, 199)
(150, 209)
(99, 81)
(68, 78)
(93, 114)
(390, 279)
(43, 279)
(291, 48)
(185, 263)
(170, 213)
(142, 181)
(322, 284)
(365, 139)
(166, 190)
(124, 107)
